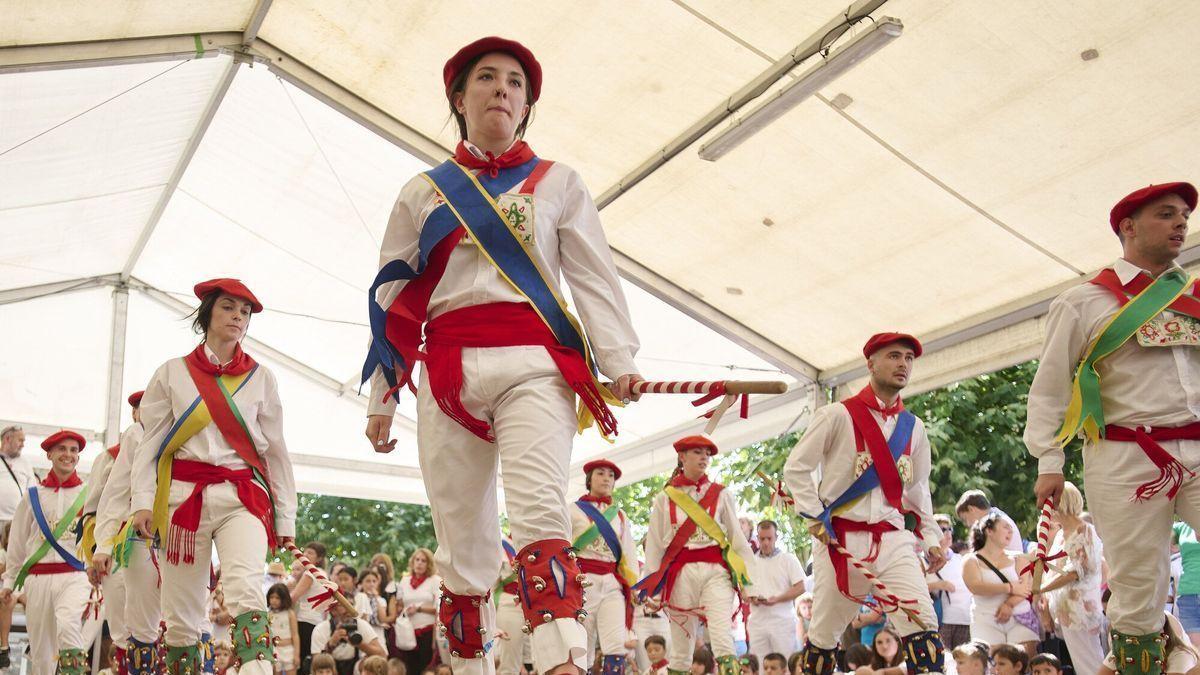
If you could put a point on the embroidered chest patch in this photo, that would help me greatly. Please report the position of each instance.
(862, 461)
(1169, 330)
(517, 210)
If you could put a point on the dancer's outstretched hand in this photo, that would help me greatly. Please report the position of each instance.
(379, 428)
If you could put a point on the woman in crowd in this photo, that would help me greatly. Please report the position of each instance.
(1074, 597)
(418, 594)
(886, 656)
(1000, 612)
(370, 604)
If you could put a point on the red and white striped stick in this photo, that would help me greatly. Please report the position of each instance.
(717, 386)
(882, 595)
(320, 577)
(1043, 545)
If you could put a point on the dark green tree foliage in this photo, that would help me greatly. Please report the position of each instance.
(975, 427)
(353, 530)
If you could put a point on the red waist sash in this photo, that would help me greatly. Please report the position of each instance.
(602, 567)
(498, 324)
(708, 554)
(181, 535)
(40, 569)
(841, 565)
(1170, 471)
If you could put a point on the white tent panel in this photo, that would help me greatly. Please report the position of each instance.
(600, 61)
(82, 173)
(702, 224)
(1000, 106)
(54, 359)
(37, 22)
(774, 28)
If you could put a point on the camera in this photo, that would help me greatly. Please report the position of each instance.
(352, 634)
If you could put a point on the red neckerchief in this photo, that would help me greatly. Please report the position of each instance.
(868, 397)
(415, 581)
(605, 501)
(680, 480)
(518, 154)
(241, 363)
(51, 481)
(661, 663)
(1188, 303)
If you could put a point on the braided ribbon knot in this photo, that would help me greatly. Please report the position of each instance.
(1041, 559)
(716, 391)
(95, 599)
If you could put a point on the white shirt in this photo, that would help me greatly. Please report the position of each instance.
(598, 549)
(1139, 386)
(12, 492)
(98, 478)
(426, 594)
(25, 537)
(956, 604)
(662, 530)
(569, 242)
(822, 465)
(772, 576)
(113, 509)
(171, 392)
(344, 651)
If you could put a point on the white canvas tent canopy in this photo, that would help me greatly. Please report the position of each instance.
(949, 185)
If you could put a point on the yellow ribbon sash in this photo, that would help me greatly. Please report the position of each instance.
(195, 418)
(737, 566)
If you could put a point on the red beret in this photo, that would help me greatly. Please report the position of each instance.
(601, 463)
(881, 340)
(232, 287)
(60, 436)
(487, 45)
(135, 399)
(698, 441)
(1135, 199)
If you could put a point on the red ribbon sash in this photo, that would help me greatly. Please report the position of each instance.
(1171, 472)
(677, 553)
(410, 309)
(181, 536)
(869, 430)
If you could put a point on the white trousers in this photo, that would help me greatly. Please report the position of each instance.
(704, 588)
(511, 620)
(521, 393)
(1137, 535)
(143, 609)
(605, 622)
(54, 617)
(643, 627)
(1084, 647)
(896, 566)
(241, 545)
(772, 630)
(113, 586)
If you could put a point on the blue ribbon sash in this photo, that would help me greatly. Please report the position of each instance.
(39, 517)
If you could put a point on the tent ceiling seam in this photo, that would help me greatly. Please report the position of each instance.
(82, 198)
(101, 104)
(256, 21)
(328, 163)
(185, 160)
(961, 198)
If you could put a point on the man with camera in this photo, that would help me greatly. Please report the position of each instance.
(346, 638)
